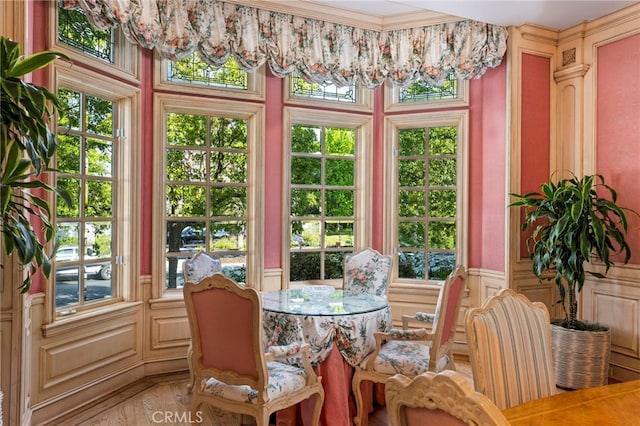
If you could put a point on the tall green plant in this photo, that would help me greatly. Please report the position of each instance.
(574, 222)
(26, 148)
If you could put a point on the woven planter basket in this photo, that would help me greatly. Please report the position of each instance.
(580, 358)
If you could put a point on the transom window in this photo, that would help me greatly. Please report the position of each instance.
(194, 70)
(75, 31)
(419, 91)
(324, 91)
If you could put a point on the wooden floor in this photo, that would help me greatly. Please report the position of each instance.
(164, 400)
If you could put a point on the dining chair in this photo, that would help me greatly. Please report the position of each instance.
(233, 370)
(367, 271)
(443, 399)
(509, 340)
(412, 351)
(201, 265)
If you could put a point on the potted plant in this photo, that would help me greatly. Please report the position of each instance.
(575, 222)
(27, 147)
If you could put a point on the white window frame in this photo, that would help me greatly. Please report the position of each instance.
(254, 114)
(126, 64)
(458, 119)
(363, 126)
(255, 83)
(125, 241)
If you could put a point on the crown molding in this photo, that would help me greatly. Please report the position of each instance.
(323, 12)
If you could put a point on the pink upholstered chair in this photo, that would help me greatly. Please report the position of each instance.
(367, 271)
(232, 369)
(412, 351)
(200, 266)
(443, 399)
(510, 334)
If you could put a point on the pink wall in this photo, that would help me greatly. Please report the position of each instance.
(273, 172)
(618, 126)
(487, 156)
(535, 127)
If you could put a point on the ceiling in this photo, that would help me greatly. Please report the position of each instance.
(552, 14)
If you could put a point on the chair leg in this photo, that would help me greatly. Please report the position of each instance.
(192, 377)
(357, 392)
(317, 408)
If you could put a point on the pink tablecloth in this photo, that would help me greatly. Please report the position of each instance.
(339, 406)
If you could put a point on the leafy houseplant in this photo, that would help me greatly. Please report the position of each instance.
(27, 146)
(574, 222)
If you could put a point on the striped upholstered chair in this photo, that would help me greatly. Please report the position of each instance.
(509, 340)
(443, 399)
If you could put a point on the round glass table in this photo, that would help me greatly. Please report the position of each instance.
(321, 300)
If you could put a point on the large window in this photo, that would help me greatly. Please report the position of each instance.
(208, 165)
(95, 150)
(428, 181)
(326, 191)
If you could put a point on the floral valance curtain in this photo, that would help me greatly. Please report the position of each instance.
(317, 50)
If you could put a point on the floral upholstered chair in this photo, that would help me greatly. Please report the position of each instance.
(233, 371)
(443, 399)
(412, 351)
(200, 266)
(509, 333)
(367, 271)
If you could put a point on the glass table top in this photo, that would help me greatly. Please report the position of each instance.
(321, 300)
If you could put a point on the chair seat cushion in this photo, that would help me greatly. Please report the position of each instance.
(404, 357)
(283, 379)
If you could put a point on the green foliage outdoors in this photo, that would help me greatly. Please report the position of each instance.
(574, 222)
(27, 147)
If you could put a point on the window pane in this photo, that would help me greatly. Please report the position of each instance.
(99, 116)
(339, 203)
(304, 266)
(419, 91)
(324, 91)
(306, 171)
(99, 157)
(68, 154)
(185, 200)
(305, 234)
(411, 265)
(186, 129)
(305, 202)
(75, 31)
(305, 139)
(411, 234)
(99, 199)
(338, 234)
(442, 203)
(340, 141)
(72, 187)
(412, 142)
(411, 172)
(442, 172)
(229, 167)
(229, 201)
(442, 235)
(229, 133)
(186, 165)
(70, 113)
(194, 70)
(340, 172)
(442, 140)
(441, 265)
(412, 203)
(333, 265)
